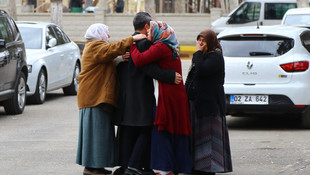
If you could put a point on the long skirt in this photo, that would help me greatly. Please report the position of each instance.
(96, 142)
(170, 152)
(210, 147)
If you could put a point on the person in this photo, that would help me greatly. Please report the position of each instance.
(76, 6)
(210, 147)
(134, 115)
(170, 134)
(97, 97)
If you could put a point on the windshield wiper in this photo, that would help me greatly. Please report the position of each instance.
(260, 53)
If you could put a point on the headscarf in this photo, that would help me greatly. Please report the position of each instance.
(212, 43)
(97, 31)
(162, 32)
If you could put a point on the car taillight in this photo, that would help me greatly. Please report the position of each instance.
(295, 66)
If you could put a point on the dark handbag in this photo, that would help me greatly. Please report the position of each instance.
(189, 83)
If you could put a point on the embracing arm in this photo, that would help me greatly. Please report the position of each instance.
(154, 53)
(160, 74)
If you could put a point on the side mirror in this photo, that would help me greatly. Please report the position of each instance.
(2, 43)
(51, 43)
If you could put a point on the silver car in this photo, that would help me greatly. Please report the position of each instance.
(53, 60)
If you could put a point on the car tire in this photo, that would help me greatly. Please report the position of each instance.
(40, 93)
(17, 103)
(305, 119)
(74, 86)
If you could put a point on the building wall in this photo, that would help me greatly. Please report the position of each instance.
(186, 26)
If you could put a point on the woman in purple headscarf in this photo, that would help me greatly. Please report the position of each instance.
(170, 137)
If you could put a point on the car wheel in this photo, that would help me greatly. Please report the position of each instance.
(16, 104)
(74, 86)
(305, 119)
(40, 94)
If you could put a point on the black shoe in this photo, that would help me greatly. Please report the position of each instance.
(99, 171)
(149, 172)
(119, 171)
(134, 171)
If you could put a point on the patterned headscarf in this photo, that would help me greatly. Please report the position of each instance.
(97, 31)
(162, 32)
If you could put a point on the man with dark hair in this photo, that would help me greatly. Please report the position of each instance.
(136, 104)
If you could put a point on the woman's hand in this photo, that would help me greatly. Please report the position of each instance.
(138, 37)
(200, 45)
(126, 56)
(178, 78)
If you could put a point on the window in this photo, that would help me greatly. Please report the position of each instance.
(277, 10)
(6, 31)
(32, 37)
(255, 46)
(248, 12)
(298, 19)
(305, 39)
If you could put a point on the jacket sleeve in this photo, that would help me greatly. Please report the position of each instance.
(160, 74)
(106, 52)
(154, 53)
(208, 64)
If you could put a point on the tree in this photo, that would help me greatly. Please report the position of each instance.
(149, 6)
(56, 12)
(12, 9)
(180, 6)
(302, 3)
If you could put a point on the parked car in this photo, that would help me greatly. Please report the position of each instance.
(13, 66)
(53, 60)
(253, 13)
(297, 17)
(267, 70)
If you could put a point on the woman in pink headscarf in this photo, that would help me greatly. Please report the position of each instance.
(170, 137)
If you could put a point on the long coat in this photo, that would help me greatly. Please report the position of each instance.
(136, 100)
(209, 73)
(172, 113)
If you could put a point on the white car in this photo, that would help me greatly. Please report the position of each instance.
(267, 70)
(53, 60)
(297, 17)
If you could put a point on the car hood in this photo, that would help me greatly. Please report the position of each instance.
(33, 55)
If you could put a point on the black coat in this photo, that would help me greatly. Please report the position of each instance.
(136, 100)
(208, 80)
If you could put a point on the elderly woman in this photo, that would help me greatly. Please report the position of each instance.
(170, 135)
(97, 97)
(210, 141)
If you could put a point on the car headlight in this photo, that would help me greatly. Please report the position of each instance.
(29, 68)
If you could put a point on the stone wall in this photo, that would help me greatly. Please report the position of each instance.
(186, 26)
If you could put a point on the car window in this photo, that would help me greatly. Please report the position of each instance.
(6, 31)
(255, 46)
(50, 34)
(248, 12)
(277, 10)
(32, 37)
(14, 27)
(61, 38)
(305, 39)
(297, 19)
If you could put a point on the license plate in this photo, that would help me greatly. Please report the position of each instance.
(249, 99)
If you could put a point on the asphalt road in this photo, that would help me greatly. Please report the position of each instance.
(43, 141)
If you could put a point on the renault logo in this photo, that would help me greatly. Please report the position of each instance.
(249, 65)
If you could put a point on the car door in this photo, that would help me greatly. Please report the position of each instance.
(8, 56)
(52, 58)
(66, 62)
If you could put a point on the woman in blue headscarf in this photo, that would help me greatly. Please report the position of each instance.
(170, 137)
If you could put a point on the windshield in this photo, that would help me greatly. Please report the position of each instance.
(302, 19)
(255, 46)
(32, 37)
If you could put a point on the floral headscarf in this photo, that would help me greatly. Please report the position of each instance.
(97, 31)
(162, 32)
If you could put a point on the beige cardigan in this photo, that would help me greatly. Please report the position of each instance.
(98, 81)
